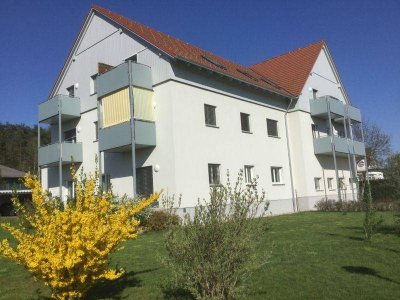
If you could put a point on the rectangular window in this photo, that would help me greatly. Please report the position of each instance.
(71, 91)
(106, 182)
(213, 174)
(70, 184)
(314, 93)
(276, 174)
(342, 183)
(96, 130)
(245, 122)
(144, 181)
(70, 136)
(272, 128)
(330, 183)
(315, 132)
(93, 89)
(209, 114)
(317, 183)
(249, 174)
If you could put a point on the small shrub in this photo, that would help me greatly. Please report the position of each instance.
(338, 206)
(371, 219)
(212, 253)
(69, 247)
(162, 219)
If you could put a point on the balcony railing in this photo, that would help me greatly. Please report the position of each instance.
(50, 154)
(343, 146)
(68, 107)
(320, 108)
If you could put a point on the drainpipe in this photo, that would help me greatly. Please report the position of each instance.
(289, 157)
(132, 107)
(37, 154)
(98, 146)
(60, 149)
(333, 149)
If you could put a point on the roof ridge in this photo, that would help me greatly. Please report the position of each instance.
(291, 51)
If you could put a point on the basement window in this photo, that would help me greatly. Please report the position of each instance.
(249, 174)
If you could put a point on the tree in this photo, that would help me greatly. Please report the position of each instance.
(392, 172)
(69, 248)
(371, 219)
(213, 251)
(377, 144)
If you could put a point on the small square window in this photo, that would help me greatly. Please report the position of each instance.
(330, 183)
(93, 88)
(245, 122)
(71, 91)
(249, 174)
(272, 128)
(317, 183)
(276, 174)
(209, 114)
(213, 174)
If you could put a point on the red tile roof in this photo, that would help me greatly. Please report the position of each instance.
(291, 70)
(183, 51)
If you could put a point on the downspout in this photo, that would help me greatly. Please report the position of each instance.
(39, 170)
(60, 150)
(290, 157)
(132, 111)
(98, 145)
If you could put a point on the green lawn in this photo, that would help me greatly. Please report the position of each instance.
(312, 256)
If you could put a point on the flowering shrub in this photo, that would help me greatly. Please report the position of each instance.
(69, 248)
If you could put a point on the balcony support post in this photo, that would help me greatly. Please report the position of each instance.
(353, 156)
(98, 146)
(334, 150)
(348, 150)
(60, 150)
(132, 111)
(39, 174)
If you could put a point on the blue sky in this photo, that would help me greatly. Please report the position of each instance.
(363, 36)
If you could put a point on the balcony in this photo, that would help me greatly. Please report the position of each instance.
(117, 138)
(49, 155)
(68, 107)
(343, 146)
(321, 106)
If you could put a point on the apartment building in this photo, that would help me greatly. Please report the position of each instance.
(159, 113)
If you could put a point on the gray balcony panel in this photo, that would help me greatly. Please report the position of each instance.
(118, 78)
(354, 113)
(49, 155)
(70, 109)
(322, 145)
(341, 145)
(359, 148)
(117, 138)
(319, 107)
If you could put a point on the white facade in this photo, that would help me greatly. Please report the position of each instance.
(184, 144)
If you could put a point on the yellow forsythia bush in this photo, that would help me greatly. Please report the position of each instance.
(69, 248)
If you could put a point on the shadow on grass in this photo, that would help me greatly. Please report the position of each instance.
(176, 293)
(389, 229)
(112, 289)
(367, 271)
(354, 238)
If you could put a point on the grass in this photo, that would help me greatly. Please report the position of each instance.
(311, 256)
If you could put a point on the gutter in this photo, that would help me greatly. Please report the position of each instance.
(295, 208)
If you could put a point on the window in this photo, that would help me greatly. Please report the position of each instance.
(144, 181)
(315, 132)
(70, 184)
(248, 174)
(133, 58)
(209, 114)
(71, 91)
(70, 136)
(276, 174)
(106, 182)
(245, 122)
(93, 89)
(330, 183)
(96, 130)
(317, 183)
(342, 184)
(314, 94)
(213, 174)
(272, 128)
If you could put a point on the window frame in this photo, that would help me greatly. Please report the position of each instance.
(274, 175)
(96, 131)
(242, 114)
(71, 89)
(73, 138)
(248, 180)
(277, 128)
(93, 85)
(317, 186)
(214, 110)
(211, 177)
(331, 186)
